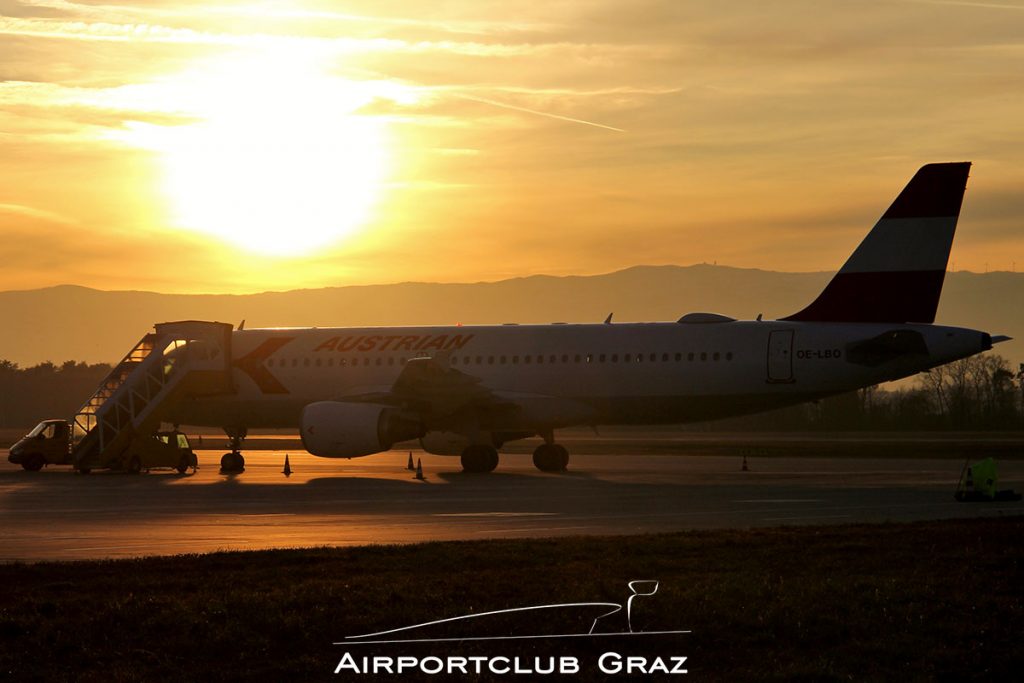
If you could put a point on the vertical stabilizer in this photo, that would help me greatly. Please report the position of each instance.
(896, 274)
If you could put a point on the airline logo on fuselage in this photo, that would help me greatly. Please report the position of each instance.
(252, 364)
(396, 342)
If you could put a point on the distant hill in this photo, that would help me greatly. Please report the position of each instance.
(77, 323)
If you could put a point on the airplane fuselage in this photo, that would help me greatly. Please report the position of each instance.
(563, 374)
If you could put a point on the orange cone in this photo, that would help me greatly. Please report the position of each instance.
(410, 466)
(287, 471)
(419, 470)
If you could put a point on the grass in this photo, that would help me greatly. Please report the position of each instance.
(923, 601)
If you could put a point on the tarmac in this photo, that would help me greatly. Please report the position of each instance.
(57, 514)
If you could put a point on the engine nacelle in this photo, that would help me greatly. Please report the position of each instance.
(333, 429)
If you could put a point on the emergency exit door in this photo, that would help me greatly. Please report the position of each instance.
(780, 356)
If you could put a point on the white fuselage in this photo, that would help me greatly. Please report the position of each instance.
(562, 374)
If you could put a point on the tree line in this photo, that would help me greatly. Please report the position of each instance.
(28, 395)
(980, 392)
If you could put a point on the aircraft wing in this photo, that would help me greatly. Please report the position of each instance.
(432, 388)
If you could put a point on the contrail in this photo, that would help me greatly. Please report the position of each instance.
(960, 3)
(539, 113)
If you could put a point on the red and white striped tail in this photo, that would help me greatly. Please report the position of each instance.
(896, 274)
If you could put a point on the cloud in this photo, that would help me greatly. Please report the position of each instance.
(33, 212)
(766, 135)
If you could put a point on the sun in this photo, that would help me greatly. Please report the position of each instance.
(278, 160)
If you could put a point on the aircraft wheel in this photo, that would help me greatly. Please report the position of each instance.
(550, 458)
(563, 457)
(134, 465)
(232, 462)
(479, 459)
(33, 462)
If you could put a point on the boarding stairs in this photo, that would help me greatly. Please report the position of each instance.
(179, 360)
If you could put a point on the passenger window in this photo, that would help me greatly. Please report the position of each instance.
(728, 356)
(679, 357)
(615, 358)
(295, 362)
(717, 355)
(664, 358)
(305, 362)
(319, 362)
(654, 357)
(590, 358)
(601, 358)
(366, 361)
(526, 359)
(330, 362)
(565, 358)
(503, 360)
(639, 358)
(540, 359)
(689, 356)
(703, 355)
(490, 360)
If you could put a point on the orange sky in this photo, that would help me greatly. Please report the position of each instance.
(236, 146)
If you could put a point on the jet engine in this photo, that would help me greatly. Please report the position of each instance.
(333, 429)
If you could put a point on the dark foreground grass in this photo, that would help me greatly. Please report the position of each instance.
(925, 601)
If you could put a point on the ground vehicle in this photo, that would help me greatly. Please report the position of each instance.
(50, 443)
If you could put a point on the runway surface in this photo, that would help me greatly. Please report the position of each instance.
(59, 515)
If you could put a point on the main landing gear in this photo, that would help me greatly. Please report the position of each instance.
(550, 456)
(234, 462)
(479, 458)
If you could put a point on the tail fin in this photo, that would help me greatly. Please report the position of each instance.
(896, 274)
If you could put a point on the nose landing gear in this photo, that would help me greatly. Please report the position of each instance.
(233, 462)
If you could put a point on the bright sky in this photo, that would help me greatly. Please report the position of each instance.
(220, 146)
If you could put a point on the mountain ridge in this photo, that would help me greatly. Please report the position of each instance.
(72, 322)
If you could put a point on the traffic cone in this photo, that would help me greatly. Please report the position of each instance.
(744, 468)
(410, 466)
(419, 470)
(287, 471)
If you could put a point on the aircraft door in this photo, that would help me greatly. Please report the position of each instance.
(780, 356)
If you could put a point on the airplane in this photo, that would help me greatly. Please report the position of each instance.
(468, 390)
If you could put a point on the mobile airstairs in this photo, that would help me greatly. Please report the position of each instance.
(178, 360)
